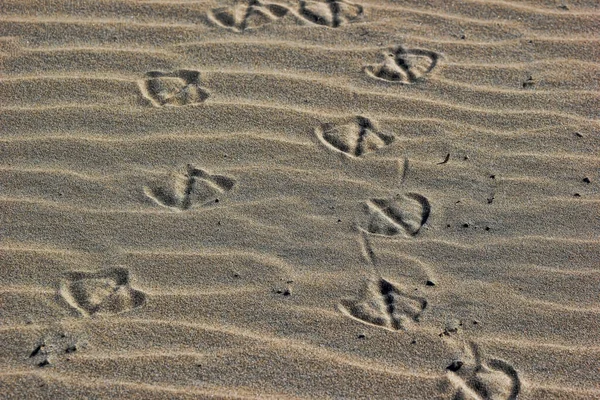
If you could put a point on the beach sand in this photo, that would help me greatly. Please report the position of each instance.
(293, 200)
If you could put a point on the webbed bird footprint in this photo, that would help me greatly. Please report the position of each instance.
(247, 15)
(106, 292)
(178, 88)
(183, 191)
(476, 378)
(355, 137)
(403, 214)
(403, 65)
(383, 304)
(332, 13)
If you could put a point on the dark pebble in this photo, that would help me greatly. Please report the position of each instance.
(455, 366)
(71, 349)
(36, 351)
(44, 363)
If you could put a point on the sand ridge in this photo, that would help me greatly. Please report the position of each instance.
(299, 199)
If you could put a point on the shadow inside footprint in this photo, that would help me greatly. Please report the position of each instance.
(403, 214)
(476, 378)
(183, 191)
(332, 13)
(247, 15)
(403, 65)
(355, 137)
(107, 292)
(178, 88)
(382, 303)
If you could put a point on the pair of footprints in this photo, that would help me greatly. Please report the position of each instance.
(252, 14)
(389, 217)
(182, 87)
(357, 137)
(385, 304)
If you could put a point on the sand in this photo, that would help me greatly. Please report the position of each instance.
(294, 200)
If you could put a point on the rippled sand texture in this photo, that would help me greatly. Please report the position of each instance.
(376, 199)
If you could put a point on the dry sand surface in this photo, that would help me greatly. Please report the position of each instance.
(300, 199)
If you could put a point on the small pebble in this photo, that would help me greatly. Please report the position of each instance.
(44, 363)
(71, 349)
(455, 366)
(36, 351)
